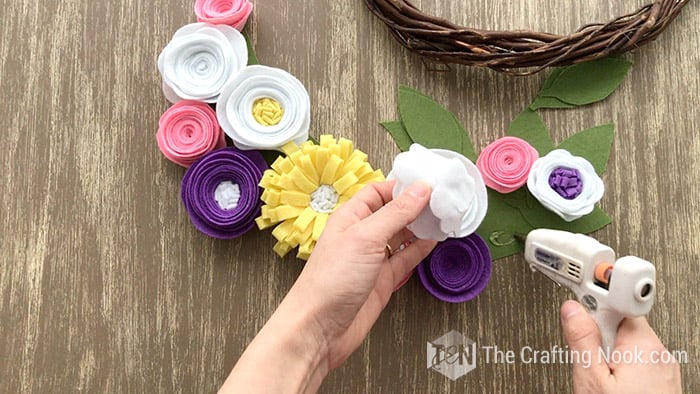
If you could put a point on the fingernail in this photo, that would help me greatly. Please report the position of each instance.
(570, 309)
(418, 189)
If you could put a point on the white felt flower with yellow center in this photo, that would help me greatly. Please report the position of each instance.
(458, 202)
(264, 108)
(302, 189)
(565, 184)
(199, 60)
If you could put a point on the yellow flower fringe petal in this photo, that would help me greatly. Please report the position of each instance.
(298, 186)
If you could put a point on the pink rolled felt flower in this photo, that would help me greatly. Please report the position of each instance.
(505, 164)
(187, 131)
(234, 13)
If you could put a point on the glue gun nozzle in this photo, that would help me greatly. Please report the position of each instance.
(520, 237)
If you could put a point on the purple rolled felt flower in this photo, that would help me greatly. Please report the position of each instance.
(221, 193)
(457, 270)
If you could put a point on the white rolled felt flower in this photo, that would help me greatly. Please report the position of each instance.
(458, 202)
(199, 60)
(565, 184)
(264, 108)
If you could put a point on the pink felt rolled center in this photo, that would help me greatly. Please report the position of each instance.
(234, 13)
(505, 164)
(187, 131)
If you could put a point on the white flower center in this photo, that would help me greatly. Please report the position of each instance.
(227, 195)
(324, 199)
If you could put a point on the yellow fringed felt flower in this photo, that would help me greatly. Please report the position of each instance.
(304, 187)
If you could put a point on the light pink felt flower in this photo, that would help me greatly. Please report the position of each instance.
(234, 13)
(505, 164)
(187, 131)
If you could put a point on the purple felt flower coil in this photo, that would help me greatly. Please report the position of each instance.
(457, 270)
(221, 193)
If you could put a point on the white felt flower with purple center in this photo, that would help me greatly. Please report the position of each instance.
(458, 202)
(199, 60)
(565, 184)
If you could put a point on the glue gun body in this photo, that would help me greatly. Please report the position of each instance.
(609, 289)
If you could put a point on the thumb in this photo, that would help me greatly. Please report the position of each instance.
(583, 337)
(400, 212)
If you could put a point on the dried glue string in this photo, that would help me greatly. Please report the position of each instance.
(496, 238)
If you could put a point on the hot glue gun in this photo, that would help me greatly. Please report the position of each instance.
(609, 289)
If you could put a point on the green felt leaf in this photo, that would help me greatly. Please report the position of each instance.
(587, 83)
(518, 199)
(467, 147)
(400, 135)
(252, 56)
(540, 217)
(431, 125)
(549, 102)
(556, 72)
(314, 140)
(426, 122)
(529, 126)
(501, 224)
(520, 212)
(593, 144)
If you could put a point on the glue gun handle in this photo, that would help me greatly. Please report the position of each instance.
(608, 321)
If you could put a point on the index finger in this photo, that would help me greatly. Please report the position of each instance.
(367, 201)
(636, 331)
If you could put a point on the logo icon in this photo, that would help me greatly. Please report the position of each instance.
(452, 355)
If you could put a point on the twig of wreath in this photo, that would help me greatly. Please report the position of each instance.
(521, 52)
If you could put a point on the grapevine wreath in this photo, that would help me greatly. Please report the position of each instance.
(521, 52)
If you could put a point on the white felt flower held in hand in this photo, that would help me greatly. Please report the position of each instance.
(199, 60)
(458, 202)
(264, 108)
(565, 184)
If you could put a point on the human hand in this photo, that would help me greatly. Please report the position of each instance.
(652, 370)
(350, 277)
(339, 295)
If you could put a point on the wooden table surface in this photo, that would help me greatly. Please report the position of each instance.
(106, 287)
